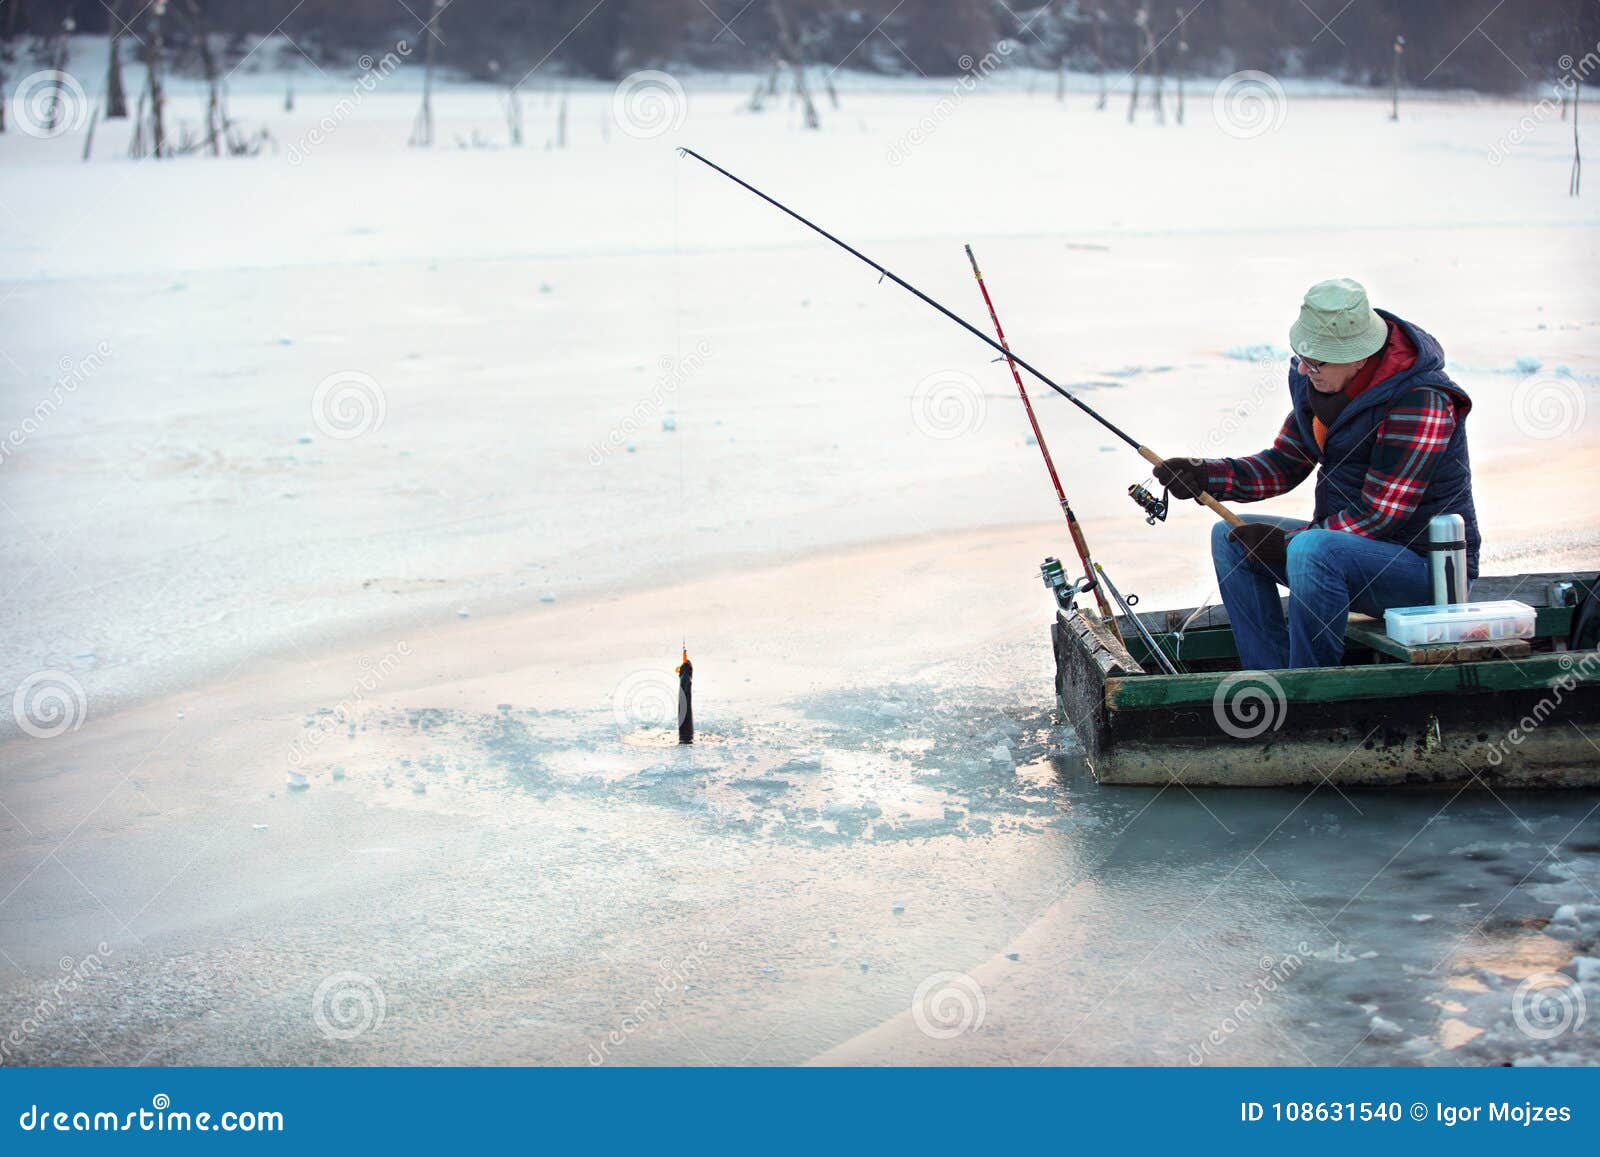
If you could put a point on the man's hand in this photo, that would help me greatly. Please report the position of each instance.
(1185, 477)
(1264, 543)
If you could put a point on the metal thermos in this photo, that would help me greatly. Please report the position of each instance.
(1447, 558)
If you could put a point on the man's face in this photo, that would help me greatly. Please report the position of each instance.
(1330, 377)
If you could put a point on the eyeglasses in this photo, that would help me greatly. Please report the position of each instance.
(1307, 366)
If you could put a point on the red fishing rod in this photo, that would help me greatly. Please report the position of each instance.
(1076, 531)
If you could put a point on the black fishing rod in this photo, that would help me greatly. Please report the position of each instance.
(1144, 452)
(1143, 631)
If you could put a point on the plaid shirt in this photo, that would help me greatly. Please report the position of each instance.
(1409, 443)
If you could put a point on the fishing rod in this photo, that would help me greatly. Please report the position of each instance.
(1143, 451)
(1078, 541)
(1138, 625)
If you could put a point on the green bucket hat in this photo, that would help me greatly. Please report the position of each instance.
(1337, 323)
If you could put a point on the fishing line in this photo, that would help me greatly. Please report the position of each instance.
(685, 671)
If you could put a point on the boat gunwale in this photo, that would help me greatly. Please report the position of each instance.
(1367, 681)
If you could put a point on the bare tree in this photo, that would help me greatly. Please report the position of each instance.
(155, 62)
(58, 53)
(8, 52)
(1141, 20)
(88, 137)
(791, 49)
(768, 86)
(1183, 54)
(116, 95)
(513, 108)
(1100, 55)
(422, 129)
(1394, 77)
(216, 113)
(1574, 186)
(1159, 67)
(1149, 59)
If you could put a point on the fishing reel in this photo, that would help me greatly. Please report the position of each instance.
(1155, 509)
(1065, 592)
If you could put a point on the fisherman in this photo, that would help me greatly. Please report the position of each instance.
(1385, 428)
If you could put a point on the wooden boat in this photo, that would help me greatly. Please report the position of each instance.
(1519, 713)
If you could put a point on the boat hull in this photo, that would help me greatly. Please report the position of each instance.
(1527, 723)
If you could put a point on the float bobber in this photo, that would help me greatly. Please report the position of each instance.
(686, 699)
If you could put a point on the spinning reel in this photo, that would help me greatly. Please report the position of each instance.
(1155, 509)
(1065, 592)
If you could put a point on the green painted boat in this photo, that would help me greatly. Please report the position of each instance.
(1521, 713)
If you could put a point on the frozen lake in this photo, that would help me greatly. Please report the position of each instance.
(363, 475)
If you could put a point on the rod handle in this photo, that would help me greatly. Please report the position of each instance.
(1203, 498)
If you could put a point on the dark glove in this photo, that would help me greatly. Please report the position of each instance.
(1263, 542)
(1185, 477)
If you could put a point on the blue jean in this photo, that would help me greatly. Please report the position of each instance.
(1329, 574)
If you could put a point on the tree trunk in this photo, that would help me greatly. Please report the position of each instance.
(8, 54)
(1574, 187)
(514, 116)
(154, 62)
(1181, 59)
(116, 95)
(791, 49)
(88, 138)
(58, 61)
(1394, 78)
(216, 120)
(1141, 21)
(1100, 56)
(422, 131)
(1155, 60)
